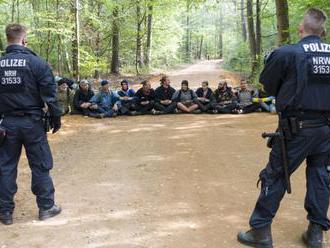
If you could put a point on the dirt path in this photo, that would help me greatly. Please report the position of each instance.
(178, 181)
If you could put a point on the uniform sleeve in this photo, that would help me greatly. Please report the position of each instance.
(47, 87)
(272, 75)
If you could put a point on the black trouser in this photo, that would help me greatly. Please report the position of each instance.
(225, 108)
(250, 108)
(312, 144)
(167, 109)
(204, 107)
(81, 111)
(28, 132)
(145, 109)
(126, 108)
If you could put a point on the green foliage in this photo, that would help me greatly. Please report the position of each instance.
(207, 28)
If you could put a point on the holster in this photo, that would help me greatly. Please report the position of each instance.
(289, 126)
(47, 122)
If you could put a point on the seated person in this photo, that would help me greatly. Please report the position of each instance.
(127, 105)
(163, 99)
(65, 97)
(225, 99)
(104, 104)
(69, 82)
(245, 96)
(185, 98)
(145, 99)
(267, 103)
(205, 97)
(82, 97)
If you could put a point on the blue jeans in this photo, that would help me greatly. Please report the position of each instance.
(268, 107)
(27, 132)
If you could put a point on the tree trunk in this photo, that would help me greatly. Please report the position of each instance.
(187, 52)
(75, 39)
(13, 11)
(59, 45)
(149, 35)
(258, 28)
(282, 14)
(139, 57)
(243, 19)
(201, 48)
(221, 16)
(98, 42)
(252, 37)
(115, 42)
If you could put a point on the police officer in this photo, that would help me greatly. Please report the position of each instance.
(26, 85)
(299, 76)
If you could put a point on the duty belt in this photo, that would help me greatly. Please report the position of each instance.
(17, 114)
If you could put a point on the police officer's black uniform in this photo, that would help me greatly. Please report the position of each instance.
(299, 76)
(26, 84)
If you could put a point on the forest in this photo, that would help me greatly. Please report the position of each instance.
(93, 38)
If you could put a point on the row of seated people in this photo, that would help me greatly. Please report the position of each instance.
(163, 100)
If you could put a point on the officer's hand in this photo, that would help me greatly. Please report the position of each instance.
(56, 124)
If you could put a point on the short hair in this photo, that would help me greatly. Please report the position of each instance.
(206, 82)
(15, 32)
(314, 21)
(163, 79)
(185, 82)
(125, 81)
(144, 82)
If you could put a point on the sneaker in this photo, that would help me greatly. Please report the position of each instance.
(49, 213)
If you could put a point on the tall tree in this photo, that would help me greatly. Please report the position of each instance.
(149, 33)
(188, 51)
(75, 39)
(258, 28)
(283, 27)
(243, 20)
(252, 37)
(140, 19)
(115, 41)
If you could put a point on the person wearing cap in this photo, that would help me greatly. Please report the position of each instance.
(205, 97)
(104, 104)
(82, 97)
(64, 97)
(145, 98)
(225, 99)
(186, 98)
(127, 103)
(164, 94)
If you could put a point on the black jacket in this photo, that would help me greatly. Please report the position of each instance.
(27, 81)
(141, 96)
(209, 94)
(82, 97)
(162, 93)
(298, 76)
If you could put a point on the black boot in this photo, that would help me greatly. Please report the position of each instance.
(313, 237)
(49, 213)
(6, 218)
(260, 238)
